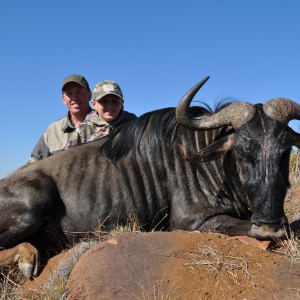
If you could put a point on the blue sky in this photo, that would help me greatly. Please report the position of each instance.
(156, 50)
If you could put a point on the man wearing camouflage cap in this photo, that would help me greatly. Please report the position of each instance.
(109, 113)
(76, 95)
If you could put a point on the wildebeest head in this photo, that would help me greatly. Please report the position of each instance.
(259, 148)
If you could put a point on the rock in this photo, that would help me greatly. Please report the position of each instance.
(182, 265)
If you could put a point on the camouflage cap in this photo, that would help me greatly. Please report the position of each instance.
(75, 78)
(106, 87)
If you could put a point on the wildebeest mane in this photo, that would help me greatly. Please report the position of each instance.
(161, 125)
(127, 137)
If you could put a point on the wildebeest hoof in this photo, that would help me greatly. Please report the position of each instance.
(267, 232)
(28, 259)
(25, 255)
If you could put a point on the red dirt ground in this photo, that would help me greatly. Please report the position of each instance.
(182, 265)
(174, 265)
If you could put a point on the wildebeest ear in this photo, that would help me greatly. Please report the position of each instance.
(214, 150)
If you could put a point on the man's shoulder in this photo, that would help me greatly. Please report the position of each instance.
(56, 135)
(60, 123)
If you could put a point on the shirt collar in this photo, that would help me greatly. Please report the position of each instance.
(69, 125)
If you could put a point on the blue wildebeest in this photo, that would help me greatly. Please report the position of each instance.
(175, 168)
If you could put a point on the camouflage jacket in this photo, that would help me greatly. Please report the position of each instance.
(94, 127)
(62, 134)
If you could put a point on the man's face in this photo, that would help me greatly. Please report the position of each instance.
(76, 98)
(108, 107)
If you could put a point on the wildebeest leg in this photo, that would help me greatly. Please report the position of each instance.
(25, 255)
(26, 202)
(227, 225)
(49, 240)
(17, 223)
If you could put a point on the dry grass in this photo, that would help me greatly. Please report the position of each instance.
(295, 167)
(223, 265)
(290, 248)
(161, 290)
(10, 279)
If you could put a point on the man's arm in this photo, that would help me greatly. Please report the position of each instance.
(40, 151)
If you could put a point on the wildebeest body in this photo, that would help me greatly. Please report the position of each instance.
(80, 189)
(228, 176)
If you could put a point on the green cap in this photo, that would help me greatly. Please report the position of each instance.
(106, 87)
(77, 79)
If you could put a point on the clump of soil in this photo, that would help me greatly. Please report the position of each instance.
(182, 265)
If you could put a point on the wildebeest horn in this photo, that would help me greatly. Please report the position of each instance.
(282, 109)
(235, 114)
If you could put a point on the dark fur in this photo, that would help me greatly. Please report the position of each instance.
(148, 169)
